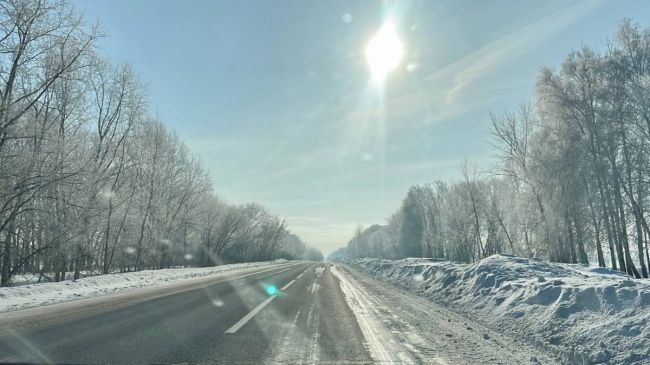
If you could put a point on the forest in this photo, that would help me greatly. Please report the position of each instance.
(571, 182)
(90, 181)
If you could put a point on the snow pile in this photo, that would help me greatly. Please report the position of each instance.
(26, 296)
(586, 315)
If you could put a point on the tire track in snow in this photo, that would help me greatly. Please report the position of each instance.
(298, 346)
(438, 335)
(290, 344)
(380, 341)
(313, 288)
(315, 348)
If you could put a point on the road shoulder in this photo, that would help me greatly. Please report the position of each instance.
(406, 328)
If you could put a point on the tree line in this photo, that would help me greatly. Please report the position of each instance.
(572, 180)
(90, 182)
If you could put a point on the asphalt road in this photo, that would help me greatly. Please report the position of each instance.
(284, 314)
(238, 320)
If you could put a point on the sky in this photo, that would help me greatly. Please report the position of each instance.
(276, 99)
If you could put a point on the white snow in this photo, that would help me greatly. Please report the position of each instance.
(585, 315)
(33, 295)
(380, 342)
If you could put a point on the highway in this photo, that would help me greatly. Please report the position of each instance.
(289, 313)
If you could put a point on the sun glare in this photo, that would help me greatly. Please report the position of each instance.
(384, 52)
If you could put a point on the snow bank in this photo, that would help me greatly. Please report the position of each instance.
(26, 296)
(586, 315)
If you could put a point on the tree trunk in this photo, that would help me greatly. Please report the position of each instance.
(107, 233)
(580, 239)
(596, 223)
(5, 276)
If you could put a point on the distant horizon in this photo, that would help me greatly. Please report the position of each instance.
(215, 181)
(284, 113)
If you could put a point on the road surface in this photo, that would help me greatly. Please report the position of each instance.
(320, 313)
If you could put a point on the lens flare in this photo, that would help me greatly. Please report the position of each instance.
(271, 290)
(384, 52)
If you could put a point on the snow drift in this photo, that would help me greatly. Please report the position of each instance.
(586, 315)
(27, 296)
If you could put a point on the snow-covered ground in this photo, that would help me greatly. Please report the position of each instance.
(585, 315)
(32, 295)
(401, 328)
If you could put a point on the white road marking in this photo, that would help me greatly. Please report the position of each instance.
(304, 272)
(250, 315)
(257, 309)
(288, 284)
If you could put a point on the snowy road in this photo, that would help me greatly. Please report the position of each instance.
(320, 314)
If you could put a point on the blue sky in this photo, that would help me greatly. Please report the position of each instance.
(275, 97)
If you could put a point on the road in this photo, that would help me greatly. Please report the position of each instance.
(320, 313)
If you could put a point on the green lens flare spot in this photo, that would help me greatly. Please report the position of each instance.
(271, 290)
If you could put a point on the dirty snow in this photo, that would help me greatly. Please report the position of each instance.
(380, 342)
(400, 327)
(33, 295)
(584, 315)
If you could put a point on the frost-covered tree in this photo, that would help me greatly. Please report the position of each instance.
(90, 183)
(572, 179)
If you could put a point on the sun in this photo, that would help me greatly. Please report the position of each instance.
(384, 52)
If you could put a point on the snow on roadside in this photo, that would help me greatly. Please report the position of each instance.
(381, 345)
(33, 295)
(586, 315)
